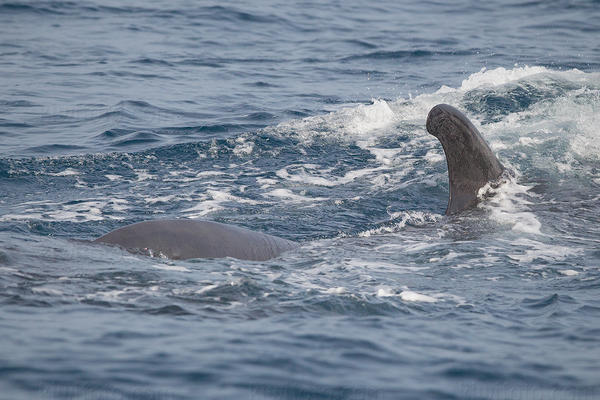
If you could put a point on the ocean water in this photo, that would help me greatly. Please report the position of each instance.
(303, 120)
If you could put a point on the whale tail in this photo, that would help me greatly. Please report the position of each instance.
(471, 162)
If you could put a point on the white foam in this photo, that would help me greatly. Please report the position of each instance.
(386, 292)
(568, 272)
(171, 267)
(46, 291)
(189, 175)
(209, 173)
(213, 200)
(407, 217)
(499, 76)
(386, 157)
(82, 211)
(128, 294)
(266, 182)
(407, 246)
(302, 176)
(144, 175)
(367, 118)
(113, 178)
(571, 118)
(509, 205)
(350, 123)
(203, 208)
(528, 141)
(66, 172)
(587, 122)
(408, 295)
(305, 174)
(206, 288)
(434, 156)
(336, 290)
(532, 250)
(450, 256)
(287, 194)
(243, 147)
(412, 296)
(119, 205)
(160, 199)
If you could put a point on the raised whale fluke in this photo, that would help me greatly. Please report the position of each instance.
(471, 162)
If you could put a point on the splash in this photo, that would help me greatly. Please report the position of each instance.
(508, 203)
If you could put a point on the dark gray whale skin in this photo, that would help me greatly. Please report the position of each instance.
(187, 238)
(471, 162)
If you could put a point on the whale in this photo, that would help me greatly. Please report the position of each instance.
(471, 166)
(471, 162)
(187, 238)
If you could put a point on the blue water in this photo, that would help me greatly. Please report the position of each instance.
(303, 120)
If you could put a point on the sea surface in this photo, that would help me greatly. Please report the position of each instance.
(304, 120)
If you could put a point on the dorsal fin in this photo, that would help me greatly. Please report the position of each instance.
(471, 162)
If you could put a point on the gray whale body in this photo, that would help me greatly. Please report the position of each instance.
(471, 165)
(187, 238)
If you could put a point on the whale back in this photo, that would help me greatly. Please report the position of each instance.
(185, 239)
(471, 162)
